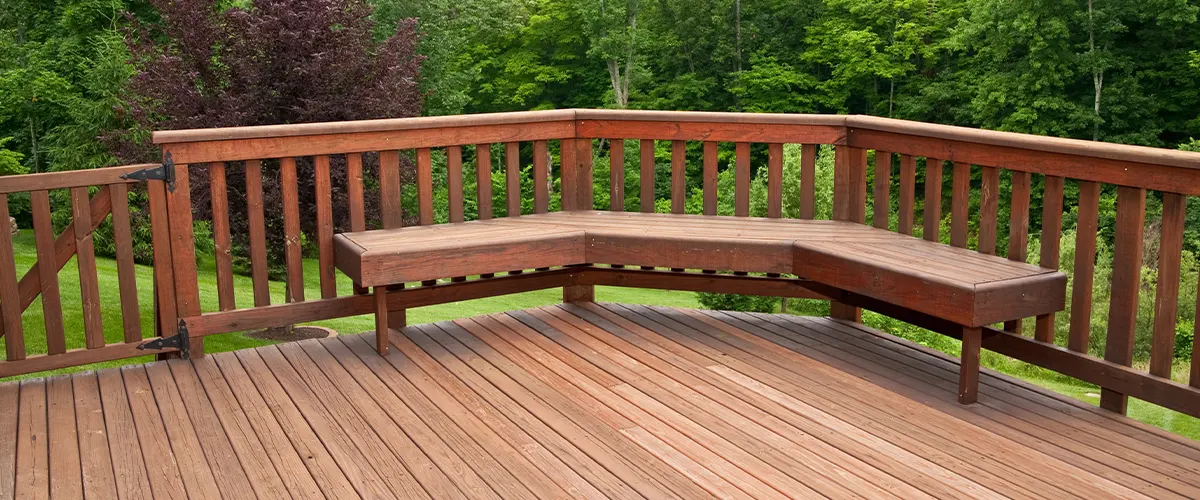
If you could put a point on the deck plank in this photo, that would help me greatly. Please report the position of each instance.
(576, 400)
(66, 471)
(286, 437)
(95, 458)
(33, 478)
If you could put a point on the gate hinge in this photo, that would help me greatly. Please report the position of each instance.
(164, 172)
(177, 341)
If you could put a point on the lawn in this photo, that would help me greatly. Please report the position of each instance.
(35, 338)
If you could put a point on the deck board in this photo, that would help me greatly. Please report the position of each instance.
(577, 401)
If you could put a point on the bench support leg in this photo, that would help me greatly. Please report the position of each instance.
(397, 318)
(968, 371)
(381, 320)
(838, 310)
(579, 293)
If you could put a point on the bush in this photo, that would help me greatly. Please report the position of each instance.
(1184, 338)
(735, 302)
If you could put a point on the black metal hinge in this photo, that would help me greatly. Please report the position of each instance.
(164, 172)
(177, 341)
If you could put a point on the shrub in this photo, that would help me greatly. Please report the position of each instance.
(1184, 339)
(736, 302)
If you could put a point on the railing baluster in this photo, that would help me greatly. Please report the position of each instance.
(10, 301)
(425, 193)
(1018, 227)
(583, 157)
(258, 232)
(131, 314)
(989, 206)
(391, 213)
(220, 230)
(1079, 338)
(541, 178)
(883, 189)
(775, 180)
(43, 232)
(960, 202)
(1052, 210)
(85, 258)
(741, 189)
(678, 176)
(324, 192)
(291, 230)
(710, 178)
(483, 180)
(646, 157)
(164, 272)
(1126, 282)
(908, 188)
(354, 190)
(1166, 295)
(933, 199)
(454, 182)
(512, 184)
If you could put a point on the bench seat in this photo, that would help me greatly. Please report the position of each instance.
(955, 284)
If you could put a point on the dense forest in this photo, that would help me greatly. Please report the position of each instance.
(83, 82)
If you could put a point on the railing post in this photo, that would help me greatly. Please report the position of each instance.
(577, 187)
(1126, 282)
(183, 253)
(849, 204)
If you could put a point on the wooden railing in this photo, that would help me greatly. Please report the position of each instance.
(579, 137)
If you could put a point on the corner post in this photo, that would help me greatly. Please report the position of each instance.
(577, 168)
(849, 204)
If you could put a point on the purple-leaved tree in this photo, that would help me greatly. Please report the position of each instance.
(279, 61)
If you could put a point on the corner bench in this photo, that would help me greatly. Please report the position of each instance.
(852, 263)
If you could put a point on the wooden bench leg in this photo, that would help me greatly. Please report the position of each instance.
(579, 293)
(968, 370)
(381, 320)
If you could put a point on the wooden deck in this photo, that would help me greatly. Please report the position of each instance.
(576, 401)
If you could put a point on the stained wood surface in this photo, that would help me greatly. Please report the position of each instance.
(973, 289)
(577, 400)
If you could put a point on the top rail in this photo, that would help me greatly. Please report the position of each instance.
(69, 179)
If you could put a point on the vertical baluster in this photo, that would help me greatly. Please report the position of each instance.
(1052, 208)
(741, 188)
(10, 302)
(1126, 280)
(908, 189)
(183, 253)
(220, 228)
(424, 187)
(583, 156)
(1018, 228)
(710, 178)
(164, 273)
(291, 230)
(258, 233)
(568, 183)
(131, 314)
(512, 171)
(808, 176)
(883, 189)
(483, 179)
(354, 191)
(454, 182)
(960, 201)
(775, 180)
(85, 257)
(392, 214)
(43, 233)
(989, 206)
(616, 179)
(646, 152)
(324, 192)
(1166, 295)
(678, 176)
(541, 178)
(1085, 263)
(933, 199)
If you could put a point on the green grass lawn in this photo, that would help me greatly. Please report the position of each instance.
(35, 337)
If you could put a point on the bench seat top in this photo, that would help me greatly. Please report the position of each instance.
(951, 283)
